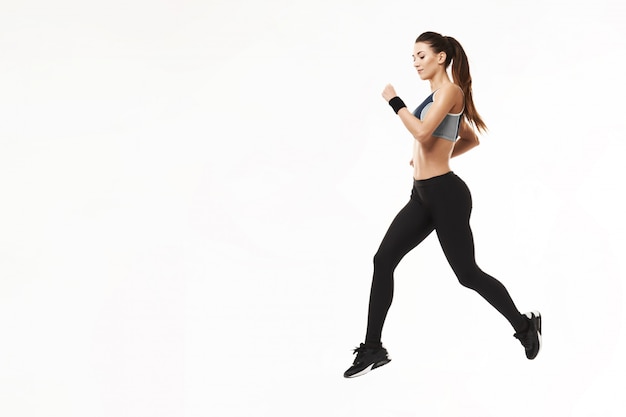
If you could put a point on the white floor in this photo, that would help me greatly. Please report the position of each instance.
(192, 193)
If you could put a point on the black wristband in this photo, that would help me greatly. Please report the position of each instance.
(396, 104)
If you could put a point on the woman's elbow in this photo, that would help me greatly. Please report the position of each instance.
(472, 140)
(421, 137)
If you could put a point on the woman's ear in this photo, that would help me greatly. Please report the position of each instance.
(441, 58)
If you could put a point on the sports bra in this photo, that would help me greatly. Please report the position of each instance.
(449, 127)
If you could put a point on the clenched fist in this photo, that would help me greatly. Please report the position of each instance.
(389, 92)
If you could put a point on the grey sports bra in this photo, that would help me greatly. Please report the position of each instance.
(448, 128)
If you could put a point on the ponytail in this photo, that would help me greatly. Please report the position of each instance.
(460, 71)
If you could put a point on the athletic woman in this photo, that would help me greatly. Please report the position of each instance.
(443, 127)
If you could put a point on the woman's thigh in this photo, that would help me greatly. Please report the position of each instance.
(407, 230)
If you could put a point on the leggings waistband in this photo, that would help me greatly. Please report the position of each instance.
(433, 180)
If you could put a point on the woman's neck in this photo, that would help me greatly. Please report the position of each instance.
(439, 80)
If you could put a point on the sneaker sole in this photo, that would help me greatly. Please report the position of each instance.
(370, 368)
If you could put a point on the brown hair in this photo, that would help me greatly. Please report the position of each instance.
(460, 71)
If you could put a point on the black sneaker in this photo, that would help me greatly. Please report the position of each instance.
(366, 360)
(531, 338)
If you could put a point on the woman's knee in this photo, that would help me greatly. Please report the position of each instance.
(379, 258)
(469, 277)
(384, 260)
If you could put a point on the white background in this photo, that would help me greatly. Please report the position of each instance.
(192, 193)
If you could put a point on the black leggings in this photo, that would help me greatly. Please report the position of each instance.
(444, 204)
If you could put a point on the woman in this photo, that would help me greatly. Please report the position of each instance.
(443, 127)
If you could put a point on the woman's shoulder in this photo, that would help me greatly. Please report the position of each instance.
(451, 88)
(449, 92)
(451, 96)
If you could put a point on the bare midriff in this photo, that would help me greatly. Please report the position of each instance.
(431, 158)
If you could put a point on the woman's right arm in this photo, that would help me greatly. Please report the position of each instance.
(466, 141)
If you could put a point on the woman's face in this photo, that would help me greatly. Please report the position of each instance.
(426, 61)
